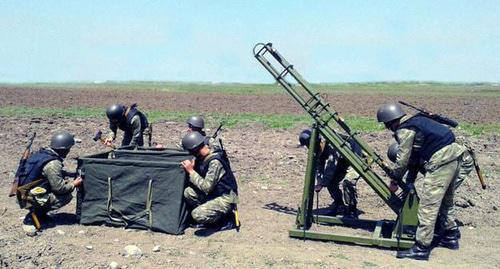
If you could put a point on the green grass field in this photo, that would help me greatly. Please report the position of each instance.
(362, 124)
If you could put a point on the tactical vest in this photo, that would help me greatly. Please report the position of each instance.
(34, 166)
(126, 124)
(227, 183)
(435, 135)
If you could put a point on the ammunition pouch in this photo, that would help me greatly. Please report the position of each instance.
(25, 198)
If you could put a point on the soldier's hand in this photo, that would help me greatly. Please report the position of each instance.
(188, 165)
(318, 187)
(77, 182)
(108, 142)
(393, 186)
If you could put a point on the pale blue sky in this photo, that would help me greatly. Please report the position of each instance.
(328, 41)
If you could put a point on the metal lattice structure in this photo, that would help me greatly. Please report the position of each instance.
(336, 132)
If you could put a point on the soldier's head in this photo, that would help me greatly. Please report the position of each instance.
(115, 112)
(392, 152)
(390, 114)
(195, 143)
(305, 137)
(62, 143)
(195, 124)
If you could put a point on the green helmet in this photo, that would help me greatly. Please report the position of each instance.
(62, 141)
(392, 152)
(193, 141)
(389, 112)
(196, 121)
(115, 111)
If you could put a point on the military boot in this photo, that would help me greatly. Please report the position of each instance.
(336, 209)
(227, 222)
(417, 252)
(449, 239)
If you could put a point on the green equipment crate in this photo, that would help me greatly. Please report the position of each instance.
(138, 189)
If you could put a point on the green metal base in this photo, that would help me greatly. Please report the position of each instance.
(382, 235)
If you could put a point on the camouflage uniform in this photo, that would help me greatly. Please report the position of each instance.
(332, 169)
(444, 170)
(132, 136)
(208, 205)
(58, 189)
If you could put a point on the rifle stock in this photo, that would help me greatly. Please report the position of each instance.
(22, 162)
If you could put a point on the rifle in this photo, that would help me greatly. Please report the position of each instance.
(20, 168)
(216, 133)
(437, 117)
(476, 166)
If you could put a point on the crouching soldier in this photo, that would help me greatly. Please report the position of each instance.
(332, 169)
(213, 191)
(128, 119)
(428, 146)
(42, 184)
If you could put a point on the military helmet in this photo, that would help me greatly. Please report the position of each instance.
(193, 141)
(196, 121)
(389, 112)
(392, 152)
(115, 111)
(305, 137)
(61, 141)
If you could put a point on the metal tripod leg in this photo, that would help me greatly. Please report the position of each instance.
(305, 213)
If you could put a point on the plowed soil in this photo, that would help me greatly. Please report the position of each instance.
(270, 169)
(469, 109)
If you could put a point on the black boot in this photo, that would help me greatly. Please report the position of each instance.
(227, 222)
(449, 239)
(417, 252)
(351, 212)
(336, 209)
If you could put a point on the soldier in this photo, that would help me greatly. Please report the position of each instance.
(53, 191)
(213, 191)
(196, 124)
(427, 145)
(128, 119)
(331, 170)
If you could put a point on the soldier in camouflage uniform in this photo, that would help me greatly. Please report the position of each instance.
(213, 191)
(128, 119)
(427, 144)
(54, 191)
(333, 169)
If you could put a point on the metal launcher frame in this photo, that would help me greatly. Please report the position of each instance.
(398, 233)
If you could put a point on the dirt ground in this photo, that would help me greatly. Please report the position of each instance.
(469, 109)
(270, 169)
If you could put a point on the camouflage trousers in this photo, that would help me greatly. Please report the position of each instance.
(208, 211)
(436, 191)
(50, 201)
(348, 196)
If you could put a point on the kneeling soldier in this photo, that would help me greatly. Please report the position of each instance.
(42, 184)
(213, 191)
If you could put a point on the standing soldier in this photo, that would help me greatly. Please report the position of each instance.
(213, 191)
(128, 119)
(42, 182)
(331, 170)
(425, 143)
